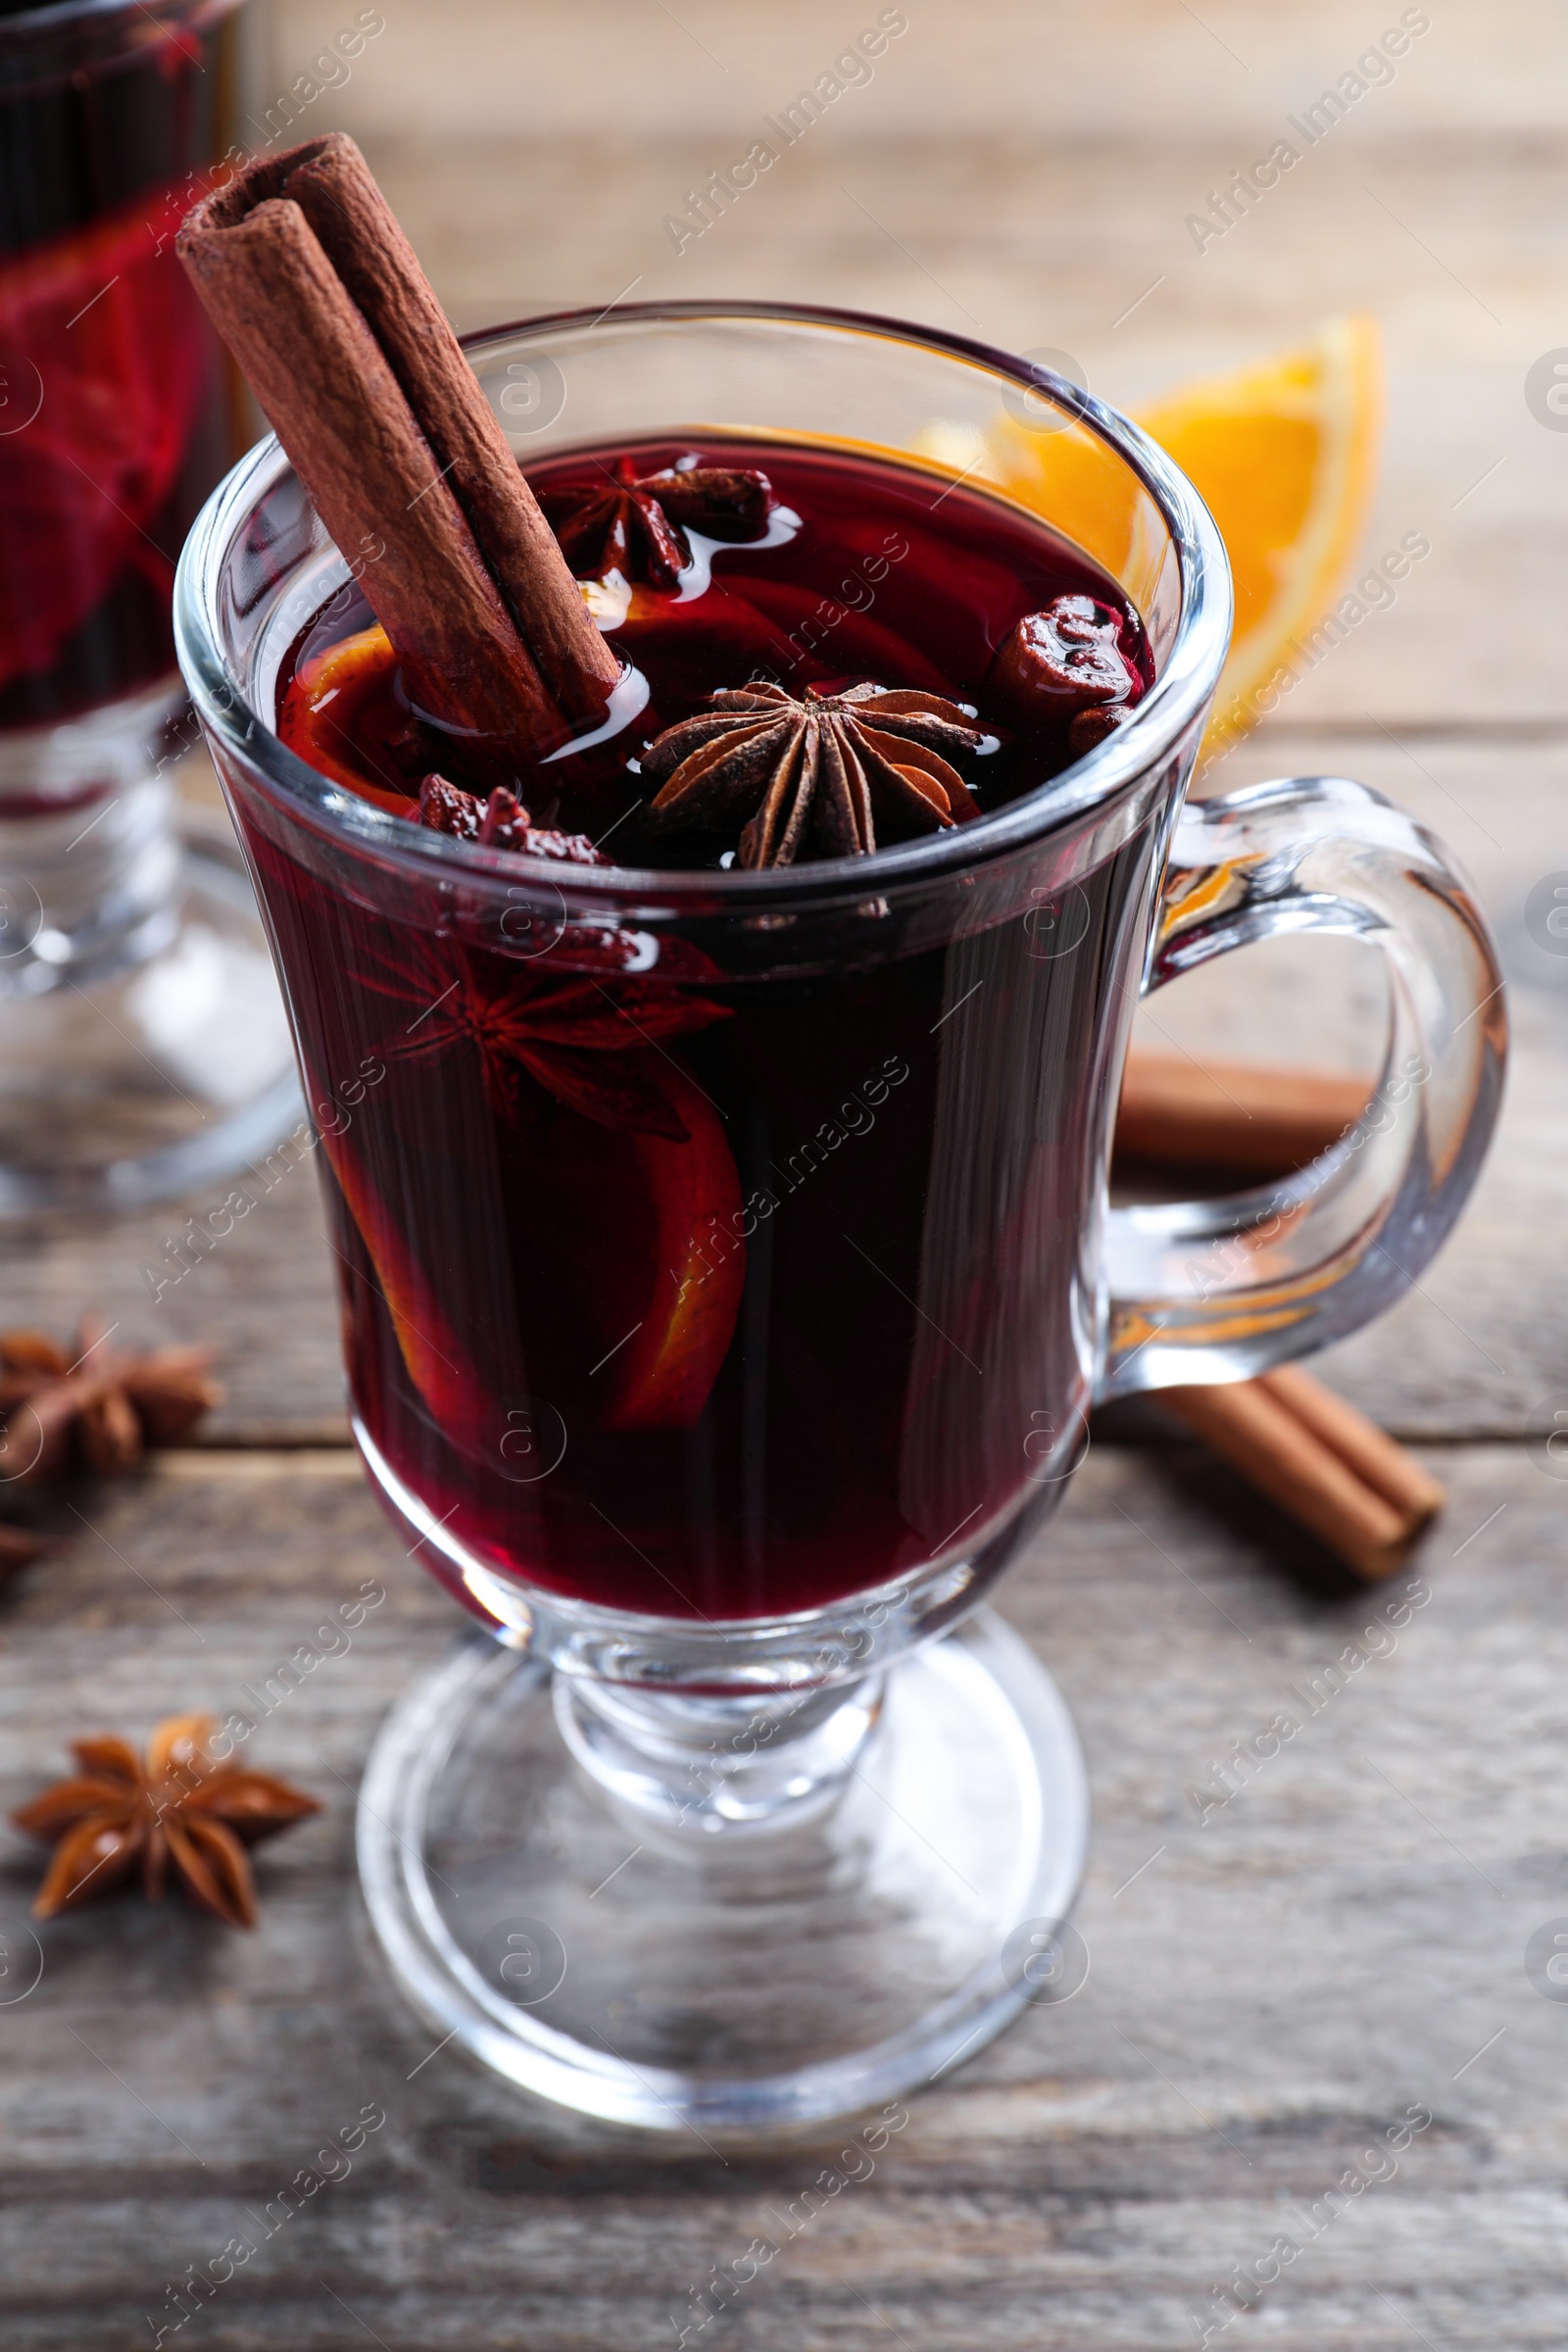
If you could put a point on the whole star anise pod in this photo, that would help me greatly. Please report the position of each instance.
(826, 766)
(97, 1408)
(634, 525)
(587, 1036)
(178, 1812)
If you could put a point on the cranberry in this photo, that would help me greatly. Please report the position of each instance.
(1062, 660)
(499, 823)
(1091, 726)
(505, 822)
(447, 809)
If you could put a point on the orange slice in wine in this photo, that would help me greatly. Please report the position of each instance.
(651, 1231)
(647, 1227)
(698, 1270)
(434, 1356)
(324, 705)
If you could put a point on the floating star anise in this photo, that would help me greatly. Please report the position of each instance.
(587, 1040)
(635, 527)
(826, 766)
(94, 1407)
(179, 1811)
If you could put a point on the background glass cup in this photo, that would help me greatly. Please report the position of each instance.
(141, 1044)
(785, 1839)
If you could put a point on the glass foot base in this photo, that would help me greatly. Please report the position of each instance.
(169, 1070)
(680, 1980)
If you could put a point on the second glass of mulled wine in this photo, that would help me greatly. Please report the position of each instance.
(143, 1052)
(715, 1120)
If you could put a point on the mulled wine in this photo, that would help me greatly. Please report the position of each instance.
(712, 1065)
(114, 397)
(668, 1287)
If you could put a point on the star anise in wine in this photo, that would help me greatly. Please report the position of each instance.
(94, 1407)
(824, 768)
(178, 1812)
(637, 526)
(592, 1036)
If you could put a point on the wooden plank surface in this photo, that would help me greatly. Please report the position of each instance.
(1346, 1936)
(1270, 1985)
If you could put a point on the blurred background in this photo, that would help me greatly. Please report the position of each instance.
(1022, 172)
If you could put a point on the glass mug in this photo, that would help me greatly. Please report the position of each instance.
(143, 1051)
(744, 1730)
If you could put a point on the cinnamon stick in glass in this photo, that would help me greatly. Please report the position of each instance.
(377, 435)
(331, 181)
(1319, 1459)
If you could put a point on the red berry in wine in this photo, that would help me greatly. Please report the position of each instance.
(1064, 660)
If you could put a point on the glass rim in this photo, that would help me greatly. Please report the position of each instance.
(1175, 701)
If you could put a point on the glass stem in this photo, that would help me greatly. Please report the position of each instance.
(714, 1766)
(88, 855)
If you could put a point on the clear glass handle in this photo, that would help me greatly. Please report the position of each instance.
(1208, 1291)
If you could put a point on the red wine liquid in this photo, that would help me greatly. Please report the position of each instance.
(115, 399)
(868, 572)
(702, 1295)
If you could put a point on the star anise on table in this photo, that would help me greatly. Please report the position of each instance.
(178, 1812)
(637, 526)
(587, 1040)
(820, 769)
(95, 1408)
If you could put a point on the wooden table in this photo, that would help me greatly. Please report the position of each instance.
(1274, 1979)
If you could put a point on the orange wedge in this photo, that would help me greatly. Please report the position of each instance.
(1284, 454)
(654, 1232)
(697, 1269)
(435, 1358)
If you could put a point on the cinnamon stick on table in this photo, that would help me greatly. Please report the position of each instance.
(311, 281)
(1309, 1451)
(1319, 1459)
(1251, 1120)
